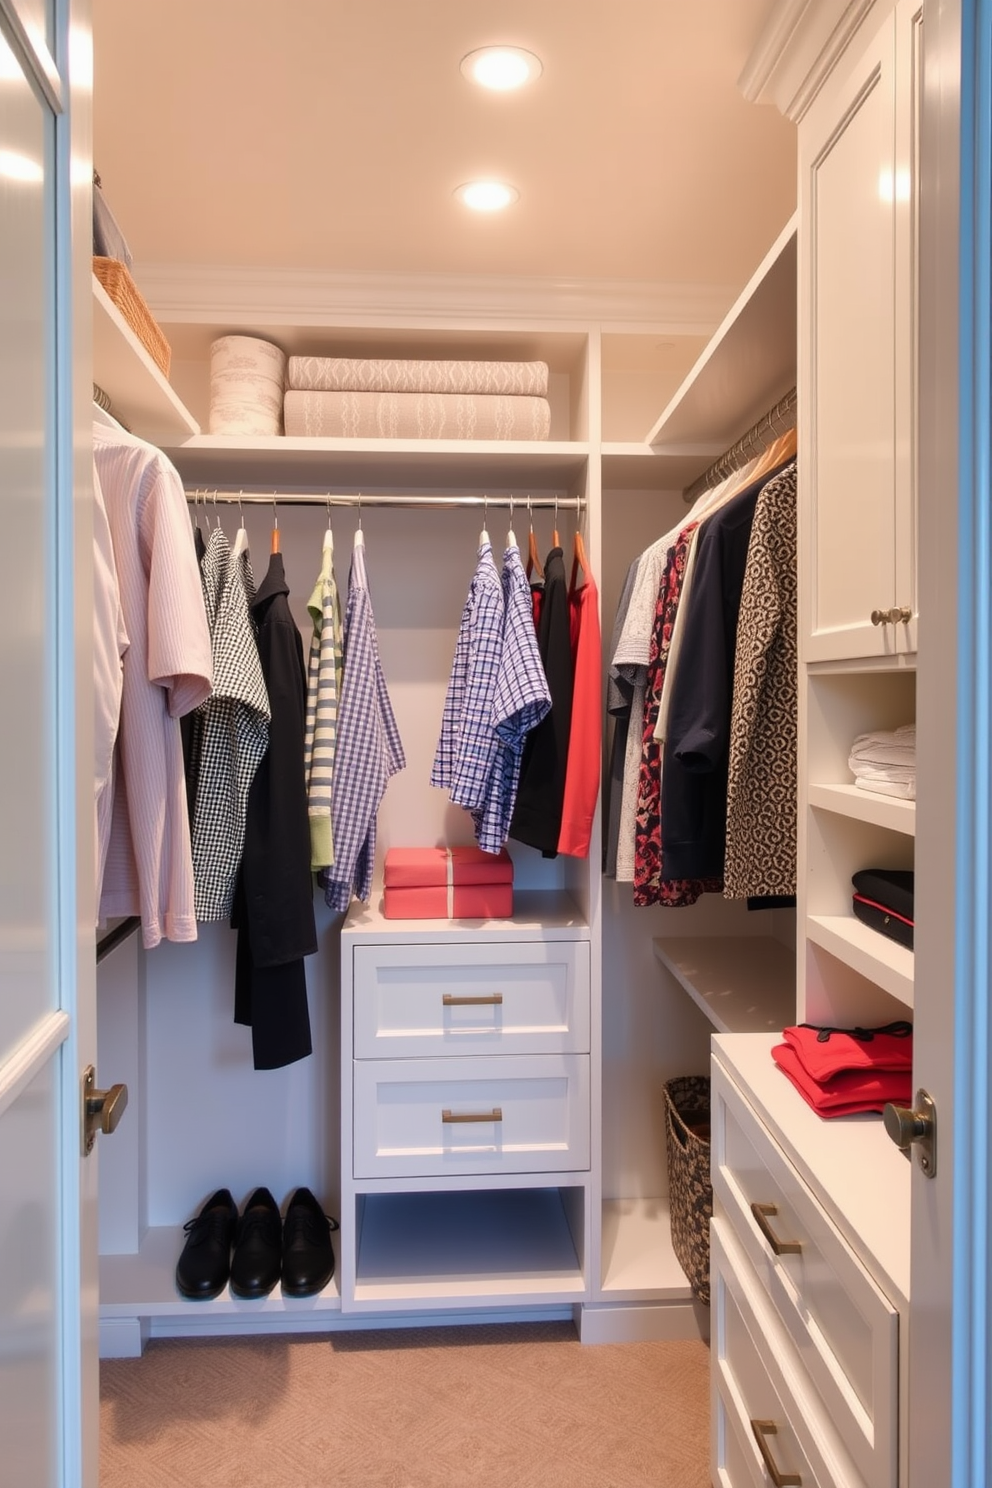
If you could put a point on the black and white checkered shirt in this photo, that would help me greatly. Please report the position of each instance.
(232, 728)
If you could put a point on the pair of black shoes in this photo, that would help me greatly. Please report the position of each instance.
(266, 1247)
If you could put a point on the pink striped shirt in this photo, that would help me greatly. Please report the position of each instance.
(167, 673)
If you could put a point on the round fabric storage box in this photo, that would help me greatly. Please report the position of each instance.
(247, 377)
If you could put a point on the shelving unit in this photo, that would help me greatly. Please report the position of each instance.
(866, 951)
(600, 1238)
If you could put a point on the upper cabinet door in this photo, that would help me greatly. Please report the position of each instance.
(857, 346)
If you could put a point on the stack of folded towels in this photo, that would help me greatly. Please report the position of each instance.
(885, 762)
(359, 398)
(842, 1071)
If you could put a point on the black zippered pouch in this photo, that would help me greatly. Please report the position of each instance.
(883, 899)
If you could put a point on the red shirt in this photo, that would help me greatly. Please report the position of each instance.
(585, 743)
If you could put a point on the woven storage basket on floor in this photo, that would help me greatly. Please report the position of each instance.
(687, 1133)
(121, 288)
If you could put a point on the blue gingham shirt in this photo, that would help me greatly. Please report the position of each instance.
(368, 750)
(520, 700)
(466, 749)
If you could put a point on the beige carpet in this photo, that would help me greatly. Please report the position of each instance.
(468, 1407)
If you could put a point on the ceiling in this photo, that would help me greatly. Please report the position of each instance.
(327, 136)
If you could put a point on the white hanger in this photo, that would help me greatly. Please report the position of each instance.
(241, 541)
(484, 535)
(359, 534)
(328, 535)
(511, 536)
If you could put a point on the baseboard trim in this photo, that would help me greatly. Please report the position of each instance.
(644, 1322)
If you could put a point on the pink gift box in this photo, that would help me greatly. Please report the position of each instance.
(468, 902)
(438, 883)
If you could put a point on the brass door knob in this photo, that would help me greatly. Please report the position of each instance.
(102, 1109)
(880, 617)
(915, 1126)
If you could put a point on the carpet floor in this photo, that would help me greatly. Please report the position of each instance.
(488, 1406)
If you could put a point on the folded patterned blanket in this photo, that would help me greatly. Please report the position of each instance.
(415, 416)
(392, 375)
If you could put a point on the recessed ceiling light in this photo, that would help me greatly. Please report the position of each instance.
(501, 68)
(487, 196)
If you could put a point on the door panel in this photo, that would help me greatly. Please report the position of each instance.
(48, 1361)
(26, 804)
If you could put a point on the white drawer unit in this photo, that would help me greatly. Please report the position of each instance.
(437, 1117)
(463, 999)
(766, 1427)
(845, 1330)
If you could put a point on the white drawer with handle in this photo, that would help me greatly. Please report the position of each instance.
(411, 1001)
(434, 1117)
(843, 1327)
(767, 1426)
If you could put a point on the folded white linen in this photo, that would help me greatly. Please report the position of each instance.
(896, 747)
(415, 416)
(906, 789)
(393, 375)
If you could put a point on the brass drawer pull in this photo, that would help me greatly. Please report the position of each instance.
(494, 1000)
(762, 1214)
(763, 1429)
(457, 1118)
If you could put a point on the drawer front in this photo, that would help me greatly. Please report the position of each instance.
(496, 997)
(434, 1117)
(764, 1418)
(843, 1327)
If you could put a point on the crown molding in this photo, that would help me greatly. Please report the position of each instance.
(209, 294)
(798, 48)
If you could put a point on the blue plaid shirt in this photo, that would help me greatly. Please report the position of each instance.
(466, 749)
(520, 700)
(368, 748)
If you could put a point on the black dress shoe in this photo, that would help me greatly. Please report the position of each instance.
(205, 1264)
(257, 1247)
(307, 1253)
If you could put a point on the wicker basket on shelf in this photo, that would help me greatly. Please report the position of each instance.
(687, 1122)
(121, 288)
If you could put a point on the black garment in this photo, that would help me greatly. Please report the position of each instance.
(273, 903)
(188, 729)
(541, 792)
(697, 747)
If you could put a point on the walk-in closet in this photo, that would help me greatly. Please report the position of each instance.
(698, 362)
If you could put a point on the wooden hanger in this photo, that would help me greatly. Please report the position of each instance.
(534, 564)
(579, 560)
(275, 527)
(555, 540)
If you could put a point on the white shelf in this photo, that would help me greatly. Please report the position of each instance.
(639, 1263)
(536, 915)
(744, 984)
(861, 1178)
(144, 1285)
(747, 366)
(138, 391)
(493, 1247)
(389, 464)
(866, 806)
(632, 466)
(881, 960)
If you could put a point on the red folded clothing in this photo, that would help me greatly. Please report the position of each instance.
(825, 1052)
(418, 867)
(848, 1092)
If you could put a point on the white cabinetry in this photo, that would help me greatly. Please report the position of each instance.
(811, 1216)
(857, 203)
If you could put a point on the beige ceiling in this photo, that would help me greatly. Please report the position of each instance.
(330, 134)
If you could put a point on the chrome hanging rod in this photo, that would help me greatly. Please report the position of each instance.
(775, 422)
(208, 495)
